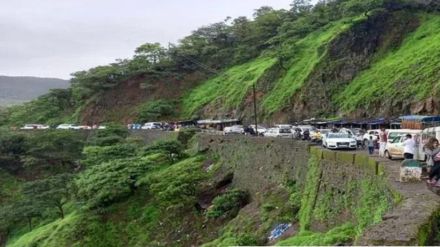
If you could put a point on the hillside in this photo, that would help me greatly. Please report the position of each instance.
(19, 89)
(115, 187)
(354, 59)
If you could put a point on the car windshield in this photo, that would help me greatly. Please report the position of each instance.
(339, 135)
(285, 131)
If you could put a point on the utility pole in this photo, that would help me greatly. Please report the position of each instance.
(255, 109)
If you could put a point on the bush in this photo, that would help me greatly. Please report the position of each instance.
(102, 185)
(112, 135)
(228, 204)
(172, 149)
(96, 155)
(179, 184)
(185, 135)
(156, 110)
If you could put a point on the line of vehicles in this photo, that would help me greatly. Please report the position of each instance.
(61, 127)
(343, 138)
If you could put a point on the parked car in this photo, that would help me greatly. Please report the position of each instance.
(317, 136)
(261, 129)
(283, 126)
(357, 134)
(235, 129)
(67, 126)
(34, 127)
(339, 141)
(279, 132)
(394, 148)
(83, 127)
(373, 133)
(152, 126)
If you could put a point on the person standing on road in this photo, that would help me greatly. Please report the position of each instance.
(382, 142)
(409, 147)
(432, 152)
(370, 145)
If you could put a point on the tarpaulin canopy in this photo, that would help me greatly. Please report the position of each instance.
(419, 118)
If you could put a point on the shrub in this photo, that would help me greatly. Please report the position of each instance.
(185, 135)
(179, 184)
(228, 204)
(156, 110)
(96, 155)
(172, 149)
(99, 186)
(112, 135)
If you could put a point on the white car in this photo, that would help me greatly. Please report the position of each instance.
(67, 127)
(373, 133)
(235, 129)
(261, 129)
(283, 126)
(152, 126)
(83, 127)
(279, 132)
(34, 127)
(339, 141)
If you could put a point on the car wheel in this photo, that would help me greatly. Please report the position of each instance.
(388, 155)
(365, 143)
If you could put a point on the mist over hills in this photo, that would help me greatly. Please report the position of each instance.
(19, 89)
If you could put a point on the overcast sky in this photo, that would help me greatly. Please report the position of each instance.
(53, 38)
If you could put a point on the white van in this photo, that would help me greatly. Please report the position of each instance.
(394, 147)
(426, 134)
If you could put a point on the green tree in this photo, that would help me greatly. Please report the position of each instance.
(54, 148)
(172, 149)
(156, 110)
(104, 184)
(151, 52)
(52, 192)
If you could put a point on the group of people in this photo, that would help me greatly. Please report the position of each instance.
(432, 152)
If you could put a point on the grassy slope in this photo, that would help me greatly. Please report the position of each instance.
(409, 71)
(227, 89)
(308, 56)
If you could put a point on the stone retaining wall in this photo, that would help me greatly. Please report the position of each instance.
(261, 163)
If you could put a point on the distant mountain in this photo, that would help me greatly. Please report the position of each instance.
(19, 89)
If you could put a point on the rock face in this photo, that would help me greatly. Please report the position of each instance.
(260, 163)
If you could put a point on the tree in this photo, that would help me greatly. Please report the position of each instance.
(173, 149)
(300, 7)
(103, 184)
(55, 148)
(23, 209)
(151, 52)
(52, 192)
(156, 110)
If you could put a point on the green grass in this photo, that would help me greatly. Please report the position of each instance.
(366, 200)
(338, 235)
(52, 234)
(227, 90)
(410, 72)
(311, 51)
